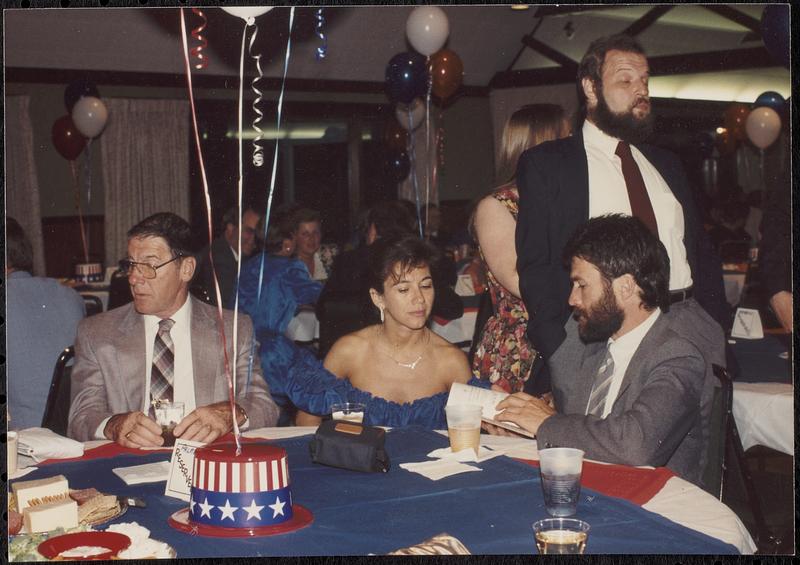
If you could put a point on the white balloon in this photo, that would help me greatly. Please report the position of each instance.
(427, 29)
(248, 13)
(89, 115)
(417, 108)
(763, 126)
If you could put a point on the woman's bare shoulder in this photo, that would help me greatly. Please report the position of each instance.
(451, 359)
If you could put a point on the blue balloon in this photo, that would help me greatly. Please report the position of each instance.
(775, 32)
(406, 77)
(76, 90)
(770, 99)
(397, 166)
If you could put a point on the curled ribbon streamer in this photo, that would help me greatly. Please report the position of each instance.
(204, 177)
(412, 159)
(76, 185)
(197, 52)
(258, 150)
(272, 182)
(322, 50)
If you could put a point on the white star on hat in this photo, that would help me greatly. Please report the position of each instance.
(253, 511)
(277, 508)
(205, 508)
(192, 504)
(228, 510)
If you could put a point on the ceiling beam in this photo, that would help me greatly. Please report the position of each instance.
(555, 56)
(562, 10)
(647, 20)
(689, 63)
(736, 16)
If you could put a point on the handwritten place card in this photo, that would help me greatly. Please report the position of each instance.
(747, 324)
(179, 482)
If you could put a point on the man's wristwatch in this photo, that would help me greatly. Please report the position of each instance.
(240, 413)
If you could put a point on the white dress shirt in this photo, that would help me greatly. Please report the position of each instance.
(608, 194)
(622, 350)
(183, 374)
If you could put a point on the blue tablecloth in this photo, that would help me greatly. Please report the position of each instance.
(490, 511)
(760, 361)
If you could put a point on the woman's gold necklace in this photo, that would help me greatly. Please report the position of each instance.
(413, 365)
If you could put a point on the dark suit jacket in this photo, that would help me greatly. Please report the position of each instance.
(225, 264)
(109, 371)
(553, 182)
(661, 414)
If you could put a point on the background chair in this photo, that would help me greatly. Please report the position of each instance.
(56, 411)
(93, 304)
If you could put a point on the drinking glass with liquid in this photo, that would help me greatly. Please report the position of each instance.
(348, 411)
(464, 426)
(561, 536)
(168, 414)
(561, 468)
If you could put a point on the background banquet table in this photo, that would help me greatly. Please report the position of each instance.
(489, 511)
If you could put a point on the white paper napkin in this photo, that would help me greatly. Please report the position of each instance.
(464, 455)
(142, 546)
(438, 469)
(19, 473)
(147, 473)
(41, 444)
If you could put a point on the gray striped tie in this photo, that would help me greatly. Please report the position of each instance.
(161, 375)
(602, 382)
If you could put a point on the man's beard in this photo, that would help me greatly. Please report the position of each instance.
(602, 320)
(625, 126)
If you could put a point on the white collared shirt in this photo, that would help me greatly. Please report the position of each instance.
(608, 194)
(183, 374)
(622, 350)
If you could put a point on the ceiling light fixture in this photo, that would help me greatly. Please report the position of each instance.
(519, 6)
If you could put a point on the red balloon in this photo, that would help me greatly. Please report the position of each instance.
(67, 139)
(735, 119)
(395, 137)
(447, 72)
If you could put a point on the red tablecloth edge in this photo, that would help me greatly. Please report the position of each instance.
(442, 322)
(630, 483)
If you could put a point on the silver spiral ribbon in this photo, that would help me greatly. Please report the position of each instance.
(258, 150)
(322, 50)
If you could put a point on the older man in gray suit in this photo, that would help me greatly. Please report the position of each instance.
(165, 346)
(639, 392)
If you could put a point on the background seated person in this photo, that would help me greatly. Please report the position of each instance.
(285, 286)
(398, 360)
(639, 394)
(164, 346)
(344, 305)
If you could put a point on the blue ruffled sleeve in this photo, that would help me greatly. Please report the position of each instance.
(295, 374)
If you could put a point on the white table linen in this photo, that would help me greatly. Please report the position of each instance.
(764, 415)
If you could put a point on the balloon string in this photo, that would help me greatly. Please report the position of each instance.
(412, 158)
(197, 52)
(87, 168)
(272, 180)
(258, 150)
(203, 176)
(322, 50)
(428, 144)
(76, 186)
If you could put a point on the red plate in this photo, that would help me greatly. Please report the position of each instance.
(55, 546)
(301, 517)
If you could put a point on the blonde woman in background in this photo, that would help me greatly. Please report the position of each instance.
(504, 355)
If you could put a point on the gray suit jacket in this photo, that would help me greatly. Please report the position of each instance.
(109, 372)
(660, 416)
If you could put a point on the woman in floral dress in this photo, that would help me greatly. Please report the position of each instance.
(504, 355)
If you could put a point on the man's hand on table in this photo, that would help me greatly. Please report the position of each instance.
(527, 411)
(207, 423)
(133, 429)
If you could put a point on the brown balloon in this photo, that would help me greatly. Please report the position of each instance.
(394, 136)
(447, 72)
(67, 140)
(735, 119)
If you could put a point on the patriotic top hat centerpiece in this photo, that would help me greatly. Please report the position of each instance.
(241, 495)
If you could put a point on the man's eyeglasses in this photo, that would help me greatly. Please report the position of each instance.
(147, 270)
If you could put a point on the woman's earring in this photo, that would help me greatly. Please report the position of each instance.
(382, 317)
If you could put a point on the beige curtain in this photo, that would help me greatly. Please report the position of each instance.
(21, 184)
(145, 149)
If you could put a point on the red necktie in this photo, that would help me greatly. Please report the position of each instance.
(637, 193)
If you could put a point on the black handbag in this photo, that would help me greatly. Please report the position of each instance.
(350, 445)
